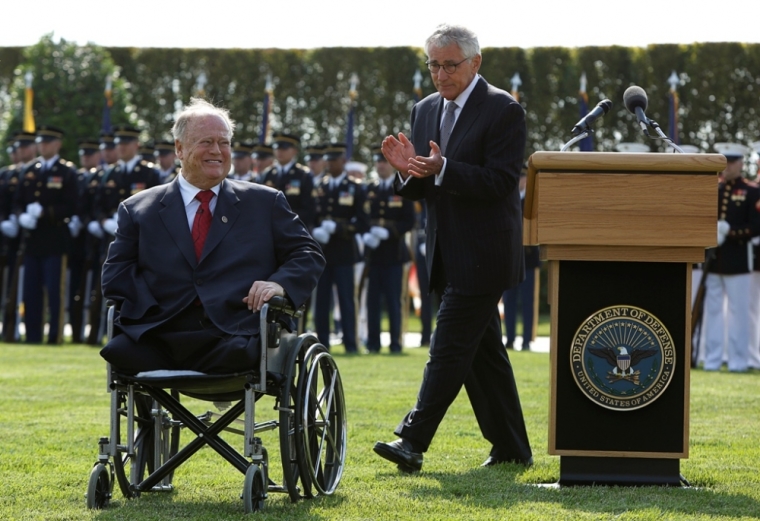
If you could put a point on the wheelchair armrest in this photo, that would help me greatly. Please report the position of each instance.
(280, 305)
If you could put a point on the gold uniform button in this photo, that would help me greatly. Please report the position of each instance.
(36, 193)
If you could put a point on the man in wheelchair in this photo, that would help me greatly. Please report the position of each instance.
(194, 260)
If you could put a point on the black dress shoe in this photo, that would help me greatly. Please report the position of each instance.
(401, 453)
(491, 461)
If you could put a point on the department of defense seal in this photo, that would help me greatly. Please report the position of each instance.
(622, 358)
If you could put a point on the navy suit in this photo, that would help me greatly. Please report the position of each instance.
(152, 272)
(474, 253)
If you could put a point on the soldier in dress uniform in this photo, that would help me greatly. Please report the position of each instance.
(89, 163)
(386, 251)
(754, 347)
(24, 152)
(290, 177)
(107, 149)
(729, 278)
(44, 202)
(148, 152)
(263, 157)
(130, 175)
(314, 158)
(340, 216)
(525, 292)
(242, 161)
(166, 161)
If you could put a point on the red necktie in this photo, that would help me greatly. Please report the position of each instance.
(202, 221)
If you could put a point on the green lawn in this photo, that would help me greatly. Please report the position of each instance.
(54, 408)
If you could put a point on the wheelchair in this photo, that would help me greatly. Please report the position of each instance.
(143, 448)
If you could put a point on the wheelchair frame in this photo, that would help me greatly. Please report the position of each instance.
(297, 370)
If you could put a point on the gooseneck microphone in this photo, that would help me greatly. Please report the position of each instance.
(635, 100)
(602, 108)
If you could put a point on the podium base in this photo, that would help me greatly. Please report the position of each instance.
(623, 472)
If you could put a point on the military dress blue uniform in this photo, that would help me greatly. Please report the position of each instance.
(46, 245)
(298, 186)
(729, 276)
(387, 260)
(342, 204)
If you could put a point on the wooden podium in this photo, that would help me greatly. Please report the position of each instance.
(620, 233)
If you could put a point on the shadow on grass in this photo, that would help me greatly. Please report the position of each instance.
(507, 486)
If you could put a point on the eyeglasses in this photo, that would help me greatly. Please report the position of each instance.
(448, 68)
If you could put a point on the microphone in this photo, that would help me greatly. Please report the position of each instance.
(602, 108)
(635, 100)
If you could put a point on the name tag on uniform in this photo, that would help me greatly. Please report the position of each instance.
(293, 188)
(395, 201)
(55, 182)
(346, 199)
(137, 187)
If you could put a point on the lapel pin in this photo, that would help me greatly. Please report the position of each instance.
(224, 218)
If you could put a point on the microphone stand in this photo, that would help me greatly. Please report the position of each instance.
(583, 135)
(668, 141)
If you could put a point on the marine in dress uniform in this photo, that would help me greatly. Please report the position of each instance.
(729, 279)
(242, 162)
(386, 251)
(166, 161)
(130, 175)
(525, 292)
(340, 216)
(89, 162)
(44, 203)
(754, 345)
(291, 178)
(23, 151)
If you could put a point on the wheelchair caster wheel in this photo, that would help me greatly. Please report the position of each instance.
(254, 489)
(99, 487)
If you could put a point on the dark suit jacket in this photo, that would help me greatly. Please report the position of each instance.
(152, 271)
(474, 217)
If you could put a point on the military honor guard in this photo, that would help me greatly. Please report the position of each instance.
(290, 177)
(340, 215)
(108, 154)
(166, 161)
(44, 202)
(728, 283)
(753, 360)
(525, 292)
(387, 253)
(314, 160)
(242, 161)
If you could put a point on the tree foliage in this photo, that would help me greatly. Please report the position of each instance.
(718, 91)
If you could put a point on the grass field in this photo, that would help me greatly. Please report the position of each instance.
(54, 408)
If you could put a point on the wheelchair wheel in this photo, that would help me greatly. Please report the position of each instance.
(99, 486)
(321, 421)
(254, 489)
(287, 429)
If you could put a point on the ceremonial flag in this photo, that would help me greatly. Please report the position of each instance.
(29, 125)
(674, 80)
(516, 82)
(105, 126)
(350, 124)
(417, 85)
(587, 143)
(265, 134)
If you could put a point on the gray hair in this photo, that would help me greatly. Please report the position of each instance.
(199, 107)
(446, 34)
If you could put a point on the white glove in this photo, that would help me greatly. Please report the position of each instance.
(75, 226)
(328, 226)
(110, 226)
(379, 232)
(723, 229)
(422, 249)
(27, 221)
(34, 209)
(321, 235)
(370, 240)
(10, 227)
(95, 229)
(756, 241)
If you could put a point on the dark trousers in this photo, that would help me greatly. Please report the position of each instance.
(77, 282)
(42, 272)
(384, 283)
(426, 299)
(525, 293)
(467, 350)
(343, 279)
(188, 341)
